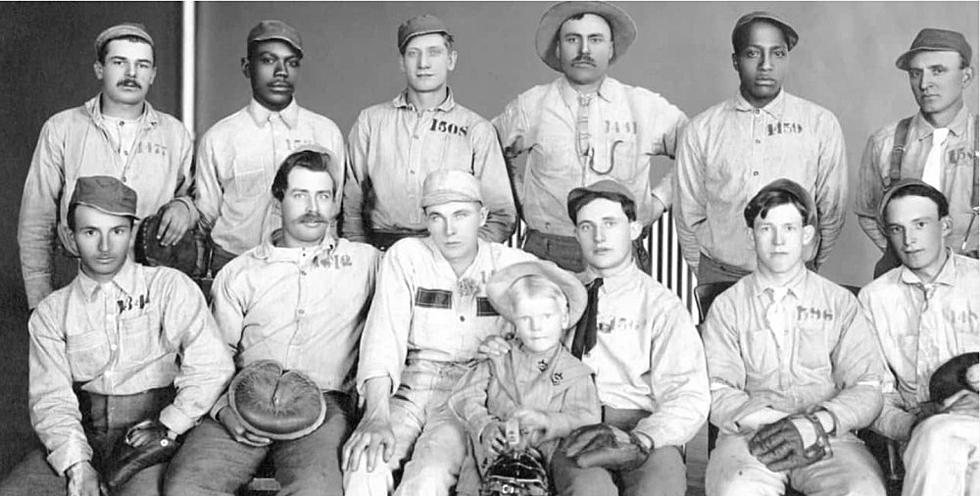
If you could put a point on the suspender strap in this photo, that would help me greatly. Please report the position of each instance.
(898, 150)
(976, 161)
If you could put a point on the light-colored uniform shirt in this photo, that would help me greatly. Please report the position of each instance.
(77, 143)
(423, 311)
(820, 354)
(648, 356)
(303, 307)
(393, 147)
(628, 126)
(237, 160)
(730, 151)
(921, 326)
(959, 175)
(119, 338)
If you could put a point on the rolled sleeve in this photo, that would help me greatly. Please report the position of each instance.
(53, 405)
(208, 193)
(870, 189)
(488, 164)
(206, 364)
(512, 128)
(355, 176)
(664, 190)
(384, 344)
(39, 213)
(688, 191)
(678, 379)
(831, 187)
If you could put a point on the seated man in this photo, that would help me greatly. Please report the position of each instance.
(640, 342)
(925, 313)
(107, 352)
(429, 317)
(537, 387)
(300, 298)
(791, 367)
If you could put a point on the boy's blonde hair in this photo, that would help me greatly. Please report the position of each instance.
(535, 286)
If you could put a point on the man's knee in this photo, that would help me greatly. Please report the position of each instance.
(737, 479)
(867, 484)
(936, 432)
(361, 482)
(663, 474)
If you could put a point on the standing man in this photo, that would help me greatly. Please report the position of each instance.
(426, 323)
(648, 360)
(584, 127)
(733, 149)
(791, 367)
(300, 298)
(117, 133)
(938, 145)
(108, 351)
(238, 157)
(395, 145)
(936, 293)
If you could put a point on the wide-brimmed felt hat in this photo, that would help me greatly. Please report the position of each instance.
(936, 40)
(620, 23)
(498, 287)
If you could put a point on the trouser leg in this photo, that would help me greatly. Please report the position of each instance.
(211, 463)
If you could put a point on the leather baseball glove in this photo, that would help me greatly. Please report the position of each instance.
(792, 442)
(149, 251)
(950, 377)
(602, 445)
(129, 460)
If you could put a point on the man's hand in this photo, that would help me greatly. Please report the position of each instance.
(963, 402)
(238, 431)
(175, 220)
(535, 425)
(373, 437)
(145, 433)
(795, 441)
(602, 445)
(493, 438)
(492, 346)
(83, 480)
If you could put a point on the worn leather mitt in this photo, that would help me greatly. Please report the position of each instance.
(516, 473)
(602, 445)
(792, 442)
(148, 250)
(275, 403)
(950, 377)
(129, 460)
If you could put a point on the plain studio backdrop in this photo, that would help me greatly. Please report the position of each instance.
(844, 62)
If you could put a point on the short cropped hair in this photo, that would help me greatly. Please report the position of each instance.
(104, 49)
(767, 199)
(307, 159)
(629, 206)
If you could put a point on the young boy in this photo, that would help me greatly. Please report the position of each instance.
(538, 383)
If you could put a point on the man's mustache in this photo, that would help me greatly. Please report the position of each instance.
(311, 218)
(583, 59)
(129, 82)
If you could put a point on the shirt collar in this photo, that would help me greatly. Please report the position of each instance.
(609, 90)
(921, 129)
(401, 101)
(126, 280)
(773, 108)
(619, 278)
(270, 252)
(148, 118)
(946, 276)
(260, 114)
(795, 285)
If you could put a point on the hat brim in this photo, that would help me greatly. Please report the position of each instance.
(421, 33)
(902, 62)
(501, 281)
(441, 197)
(104, 210)
(622, 26)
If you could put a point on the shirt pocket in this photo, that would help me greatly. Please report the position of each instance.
(88, 354)
(249, 180)
(812, 351)
(760, 354)
(137, 339)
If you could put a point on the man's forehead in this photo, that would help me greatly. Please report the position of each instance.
(930, 58)
(763, 33)
(452, 207)
(301, 178)
(593, 23)
(122, 47)
(275, 47)
(600, 208)
(424, 41)
(912, 207)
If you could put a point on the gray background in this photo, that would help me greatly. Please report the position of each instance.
(844, 62)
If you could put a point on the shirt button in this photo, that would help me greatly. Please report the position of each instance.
(112, 346)
(415, 136)
(301, 311)
(755, 173)
(757, 141)
(462, 319)
(757, 111)
(411, 172)
(302, 272)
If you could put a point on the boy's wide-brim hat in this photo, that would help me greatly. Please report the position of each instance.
(499, 285)
(620, 23)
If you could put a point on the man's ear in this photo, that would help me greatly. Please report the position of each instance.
(750, 236)
(967, 76)
(484, 212)
(946, 224)
(72, 243)
(452, 60)
(98, 68)
(635, 230)
(808, 233)
(246, 68)
(735, 61)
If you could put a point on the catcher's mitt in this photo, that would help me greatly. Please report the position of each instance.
(129, 460)
(951, 377)
(792, 442)
(276, 403)
(516, 473)
(148, 251)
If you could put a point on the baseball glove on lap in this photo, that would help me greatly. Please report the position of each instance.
(129, 459)
(951, 377)
(792, 442)
(602, 445)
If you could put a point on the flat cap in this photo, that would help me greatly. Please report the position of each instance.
(606, 188)
(936, 40)
(275, 30)
(498, 287)
(121, 30)
(449, 185)
(788, 32)
(105, 194)
(620, 24)
(418, 26)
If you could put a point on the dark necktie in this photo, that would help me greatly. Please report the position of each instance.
(585, 330)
